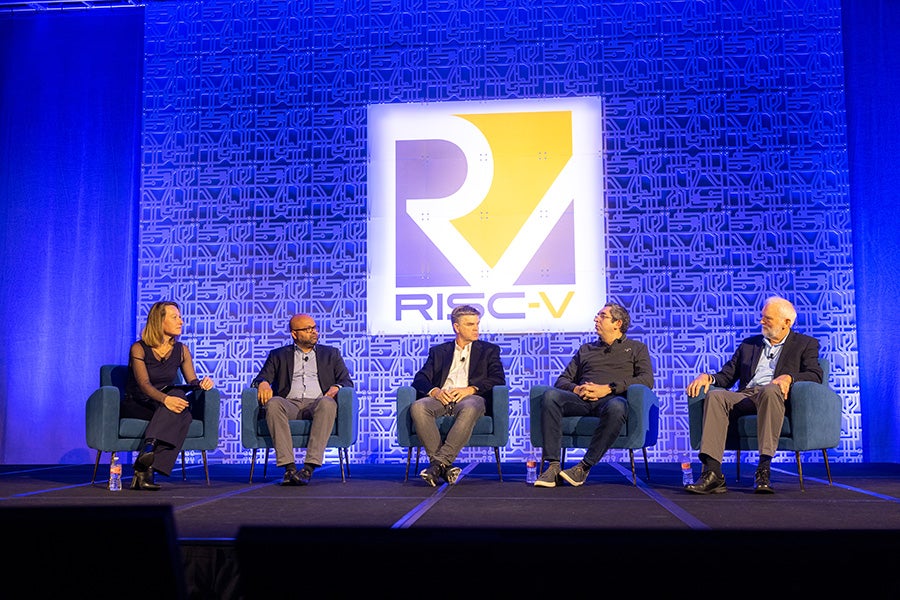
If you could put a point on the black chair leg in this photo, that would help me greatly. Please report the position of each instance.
(266, 465)
(408, 458)
(183, 472)
(252, 464)
(497, 458)
(646, 462)
(341, 463)
(827, 466)
(96, 464)
(737, 476)
(799, 470)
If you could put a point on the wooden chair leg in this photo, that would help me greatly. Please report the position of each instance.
(631, 460)
(418, 454)
(646, 462)
(827, 466)
(799, 469)
(266, 465)
(205, 467)
(252, 464)
(96, 464)
(341, 463)
(497, 458)
(408, 458)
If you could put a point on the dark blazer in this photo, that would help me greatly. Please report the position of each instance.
(278, 370)
(799, 358)
(485, 369)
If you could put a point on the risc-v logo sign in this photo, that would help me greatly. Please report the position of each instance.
(497, 204)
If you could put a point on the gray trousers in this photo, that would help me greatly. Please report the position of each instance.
(280, 410)
(424, 413)
(766, 401)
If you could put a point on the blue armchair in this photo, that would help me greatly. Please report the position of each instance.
(491, 430)
(813, 422)
(106, 432)
(255, 431)
(641, 427)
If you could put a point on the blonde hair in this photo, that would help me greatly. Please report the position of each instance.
(152, 334)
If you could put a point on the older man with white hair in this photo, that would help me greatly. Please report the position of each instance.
(764, 367)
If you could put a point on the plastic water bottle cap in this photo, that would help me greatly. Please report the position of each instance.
(530, 462)
(685, 465)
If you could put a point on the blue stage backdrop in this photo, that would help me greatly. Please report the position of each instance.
(243, 189)
(725, 180)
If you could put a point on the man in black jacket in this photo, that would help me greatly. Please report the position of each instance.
(457, 379)
(300, 381)
(764, 367)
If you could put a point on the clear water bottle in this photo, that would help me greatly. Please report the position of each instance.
(115, 473)
(531, 470)
(687, 473)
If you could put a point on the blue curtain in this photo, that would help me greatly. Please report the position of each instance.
(70, 101)
(872, 64)
(70, 108)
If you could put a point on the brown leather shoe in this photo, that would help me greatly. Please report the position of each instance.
(709, 483)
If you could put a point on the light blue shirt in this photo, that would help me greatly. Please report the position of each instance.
(305, 381)
(765, 368)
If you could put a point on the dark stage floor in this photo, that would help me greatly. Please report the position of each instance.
(238, 539)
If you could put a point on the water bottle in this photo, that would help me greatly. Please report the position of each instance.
(115, 473)
(687, 474)
(530, 470)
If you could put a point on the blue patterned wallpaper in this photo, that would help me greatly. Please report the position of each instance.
(726, 180)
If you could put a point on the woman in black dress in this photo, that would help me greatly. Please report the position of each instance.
(154, 362)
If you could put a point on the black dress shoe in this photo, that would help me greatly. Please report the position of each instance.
(762, 483)
(143, 480)
(709, 483)
(145, 459)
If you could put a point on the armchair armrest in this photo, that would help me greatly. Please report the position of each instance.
(642, 423)
(102, 418)
(406, 395)
(500, 412)
(212, 404)
(815, 413)
(347, 408)
(249, 417)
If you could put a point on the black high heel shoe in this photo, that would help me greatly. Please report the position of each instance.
(143, 480)
(145, 459)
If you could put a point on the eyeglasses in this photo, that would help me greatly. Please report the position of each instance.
(307, 329)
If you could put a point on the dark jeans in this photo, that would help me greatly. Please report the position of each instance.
(557, 403)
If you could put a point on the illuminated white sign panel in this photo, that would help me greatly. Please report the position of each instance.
(496, 204)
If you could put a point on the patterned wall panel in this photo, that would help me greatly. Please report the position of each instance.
(725, 176)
